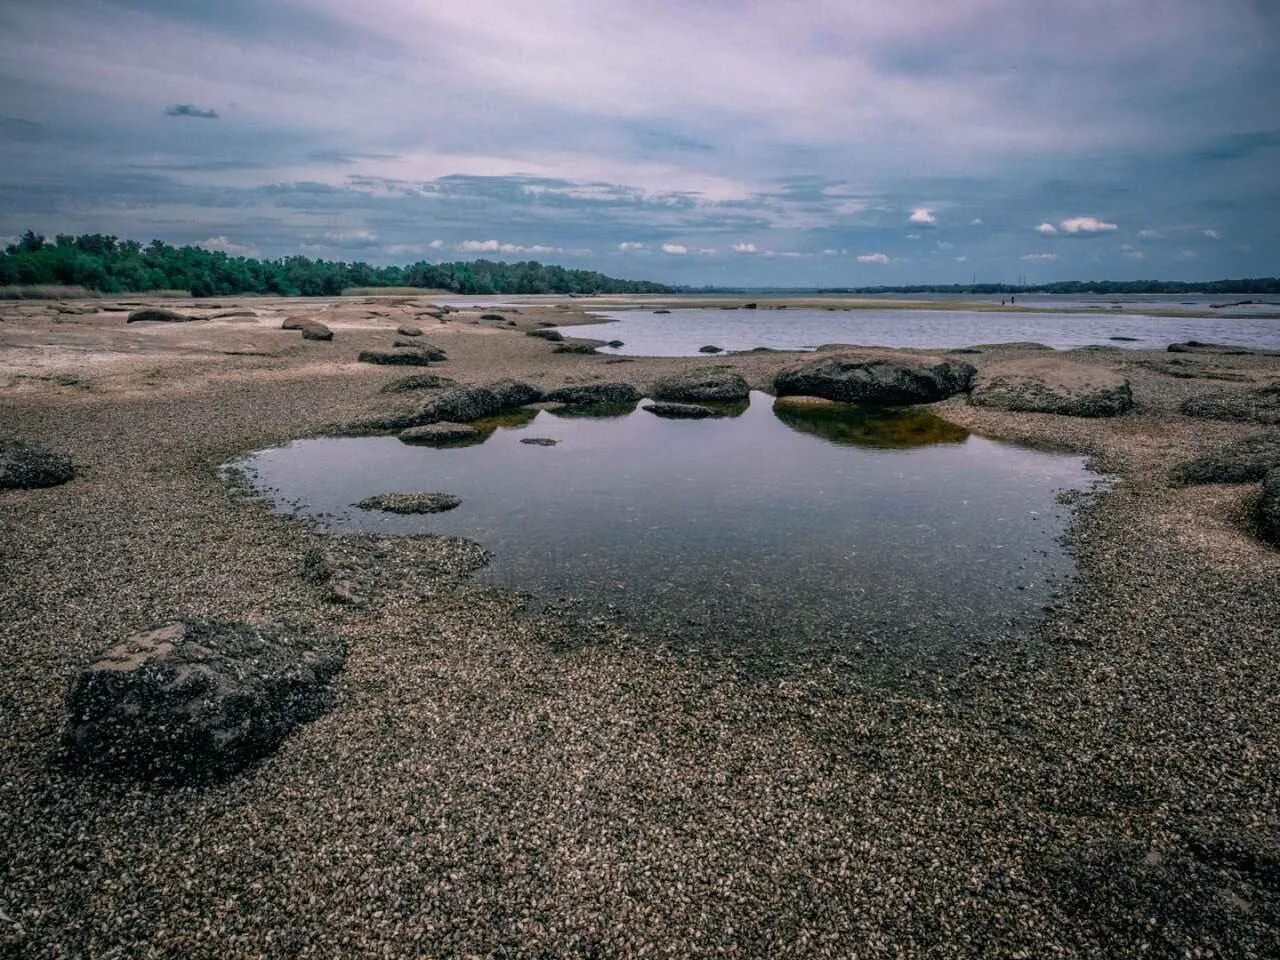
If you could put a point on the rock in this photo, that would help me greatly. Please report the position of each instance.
(439, 434)
(419, 381)
(1269, 507)
(315, 330)
(460, 404)
(1246, 406)
(750, 306)
(539, 441)
(864, 378)
(546, 333)
(710, 348)
(681, 411)
(495, 317)
(611, 393)
(615, 344)
(405, 358)
(294, 323)
(1196, 346)
(407, 331)
(661, 311)
(411, 502)
(26, 467)
(515, 393)
(1124, 339)
(700, 386)
(575, 348)
(1050, 385)
(229, 314)
(158, 315)
(197, 700)
(1244, 461)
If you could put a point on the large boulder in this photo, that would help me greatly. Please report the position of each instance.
(315, 330)
(441, 434)
(409, 331)
(158, 315)
(1269, 507)
(515, 393)
(197, 700)
(1052, 385)
(701, 386)
(1244, 461)
(876, 379)
(1247, 406)
(591, 393)
(25, 467)
(460, 404)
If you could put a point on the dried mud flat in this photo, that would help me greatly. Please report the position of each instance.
(500, 779)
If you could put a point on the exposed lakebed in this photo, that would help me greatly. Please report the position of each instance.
(682, 332)
(780, 531)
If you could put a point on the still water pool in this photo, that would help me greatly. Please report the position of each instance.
(780, 531)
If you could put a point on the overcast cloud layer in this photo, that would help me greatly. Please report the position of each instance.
(703, 141)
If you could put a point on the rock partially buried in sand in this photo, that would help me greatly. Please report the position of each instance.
(593, 393)
(575, 348)
(27, 467)
(439, 434)
(411, 502)
(158, 315)
(400, 358)
(701, 385)
(1196, 346)
(1269, 507)
(681, 411)
(710, 348)
(1245, 406)
(546, 334)
(863, 378)
(1040, 385)
(419, 381)
(196, 700)
(1244, 461)
(407, 331)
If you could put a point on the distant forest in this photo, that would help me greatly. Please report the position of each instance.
(101, 262)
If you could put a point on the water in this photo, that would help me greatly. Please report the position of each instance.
(779, 534)
(682, 331)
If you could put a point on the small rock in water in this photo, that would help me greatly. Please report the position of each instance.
(539, 441)
(411, 502)
(701, 385)
(681, 411)
(710, 348)
(595, 393)
(438, 434)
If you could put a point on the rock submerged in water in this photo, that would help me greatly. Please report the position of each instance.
(411, 502)
(439, 434)
(1244, 461)
(862, 378)
(1052, 386)
(681, 411)
(593, 393)
(539, 441)
(1244, 406)
(24, 466)
(158, 315)
(700, 386)
(1269, 507)
(710, 348)
(195, 700)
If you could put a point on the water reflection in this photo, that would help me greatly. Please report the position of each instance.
(861, 426)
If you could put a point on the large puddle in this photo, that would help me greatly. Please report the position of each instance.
(778, 532)
(682, 332)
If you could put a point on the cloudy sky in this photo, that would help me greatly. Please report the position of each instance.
(692, 141)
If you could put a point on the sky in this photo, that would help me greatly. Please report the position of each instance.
(807, 143)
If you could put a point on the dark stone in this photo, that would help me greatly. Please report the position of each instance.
(661, 311)
(419, 381)
(460, 404)
(546, 334)
(710, 348)
(411, 502)
(495, 317)
(604, 393)
(439, 434)
(862, 379)
(315, 330)
(700, 386)
(26, 467)
(681, 411)
(1124, 339)
(1196, 346)
(1052, 386)
(196, 700)
(294, 323)
(515, 393)
(1245, 406)
(408, 331)
(575, 348)
(539, 441)
(403, 358)
(158, 315)
(1269, 507)
(1244, 461)
(750, 306)
(615, 344)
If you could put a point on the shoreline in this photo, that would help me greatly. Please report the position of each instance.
(497, 777)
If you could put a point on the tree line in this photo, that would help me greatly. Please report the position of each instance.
(111, 265)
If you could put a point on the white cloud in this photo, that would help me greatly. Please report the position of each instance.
(1040, 257)
(873, 258)
(1132, 252)
(1149, 234)
(403, 249)
(1086, 225)
(674, 248)
(706, 251)
(744, 248)
(945, 245)
(1212, 234)
(1188, 255)
(221, 245)
(493, 246)
(975, 222)
(922, 215)
(436, 244)
(913, 236)
(961, 259)
(351, 237)
(628, 245)
(1047, 229)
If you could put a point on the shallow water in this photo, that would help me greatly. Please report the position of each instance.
(682, 331)
(776, 534)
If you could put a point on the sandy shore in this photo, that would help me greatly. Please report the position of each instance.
(498, 779)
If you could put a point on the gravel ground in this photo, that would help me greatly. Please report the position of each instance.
(499, 779)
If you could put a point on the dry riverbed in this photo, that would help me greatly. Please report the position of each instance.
(499, 778)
